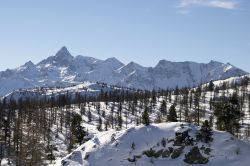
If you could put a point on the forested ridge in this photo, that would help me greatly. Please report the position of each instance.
(36, 131)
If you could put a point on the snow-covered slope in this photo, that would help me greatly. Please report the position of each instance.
(130, 147)
(84, 89)
(63, 69)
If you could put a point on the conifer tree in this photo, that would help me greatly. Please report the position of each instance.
(89, 116)
(197, 104)
(145, 117)
(99, 127)
(158, 118)
(83, 110)
(76, 128)
(163, 108)
(172, 117)
(228, 114)
(211, 86)
(205, 133)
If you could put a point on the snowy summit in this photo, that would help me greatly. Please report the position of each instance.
(63, 69)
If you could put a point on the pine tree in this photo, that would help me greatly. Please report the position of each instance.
(83, 110)
(76, 128)
(99, 127)
(205, 133)
(197, 95)
(133, 146)
(98, 108)
(163, 142)
(158, 118)
(172, 117)
(153, 100)
(106, 124)
(89, 116)
(145, 117)
(211, 86)
(120, 121)
(228, 114)
(163, 107)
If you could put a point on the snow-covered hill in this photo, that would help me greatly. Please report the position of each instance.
(86, 88)
(63, 69)
(143, 146)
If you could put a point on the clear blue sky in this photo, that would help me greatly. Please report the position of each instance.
(144, 31)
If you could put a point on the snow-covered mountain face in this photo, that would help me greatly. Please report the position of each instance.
(63, 69)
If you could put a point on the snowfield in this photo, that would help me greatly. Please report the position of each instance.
(113, 148)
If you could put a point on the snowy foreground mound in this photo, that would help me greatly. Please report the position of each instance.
(144, 146)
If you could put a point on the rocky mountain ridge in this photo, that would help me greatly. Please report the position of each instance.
(63, 69)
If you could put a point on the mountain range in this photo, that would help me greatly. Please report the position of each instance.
(63, 69)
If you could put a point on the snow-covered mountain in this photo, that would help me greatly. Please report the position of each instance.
(63, 69)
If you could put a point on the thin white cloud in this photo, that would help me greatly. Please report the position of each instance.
(184, 12)
(223, 4)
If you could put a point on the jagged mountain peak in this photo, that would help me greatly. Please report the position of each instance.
(63, 68)
(27, 67)
(29, 64)
(88, 59)
(63, 52)
(63, 55)
(61, 58)
(112, 59)
(112, 63)
(132, 63)
(215, 63)
(164, 63)
(133, 66)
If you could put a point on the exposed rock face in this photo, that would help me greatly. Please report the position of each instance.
(195, 157)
